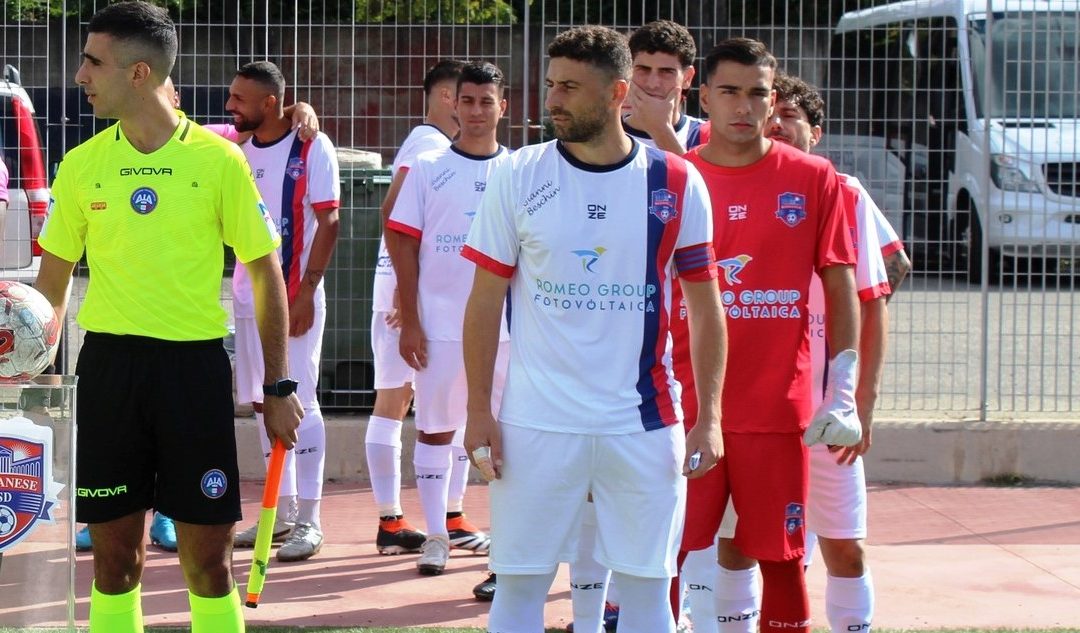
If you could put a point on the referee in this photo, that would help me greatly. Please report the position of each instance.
(151, 199)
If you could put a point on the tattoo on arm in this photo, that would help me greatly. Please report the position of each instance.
(896, 269)
(313, 277)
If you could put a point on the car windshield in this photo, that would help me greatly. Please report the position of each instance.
(1034, 61)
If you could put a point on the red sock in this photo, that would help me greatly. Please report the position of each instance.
(785, 606)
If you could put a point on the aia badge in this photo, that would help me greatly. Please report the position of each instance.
(144, 200)
(28, 494)
(792, 209)
(663, 205)
(295, 168)
(793, 517)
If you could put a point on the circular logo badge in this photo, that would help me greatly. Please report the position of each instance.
(144, 200)
(214, 484)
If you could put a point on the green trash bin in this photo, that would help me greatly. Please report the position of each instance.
(347, 369)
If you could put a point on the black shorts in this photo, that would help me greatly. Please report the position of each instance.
(155, 430)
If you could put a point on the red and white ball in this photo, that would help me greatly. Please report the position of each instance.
(29, 332)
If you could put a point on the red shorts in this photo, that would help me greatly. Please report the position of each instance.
(766, 476)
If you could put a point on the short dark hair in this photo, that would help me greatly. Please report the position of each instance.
(741, 50)
(664, 36)
(595, 45)
(481, 73)
(445, 70)
(801, 94)
(144, 25)
(267, 74)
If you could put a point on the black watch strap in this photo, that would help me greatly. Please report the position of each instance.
(281, 389)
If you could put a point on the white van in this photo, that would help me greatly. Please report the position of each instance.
(992, 100)
(28, 192)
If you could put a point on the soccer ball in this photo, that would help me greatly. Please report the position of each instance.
(29, 332)
(7, 521)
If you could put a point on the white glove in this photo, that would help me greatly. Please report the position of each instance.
(836, 421)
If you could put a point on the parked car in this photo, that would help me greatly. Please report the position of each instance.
(28, 191)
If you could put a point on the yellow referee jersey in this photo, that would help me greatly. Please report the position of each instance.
(153, 226)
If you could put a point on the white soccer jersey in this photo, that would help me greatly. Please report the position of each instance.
(590, 253)
(691, 132)
(423, 138)
(871, 280)
(297, 179)
(436, 205)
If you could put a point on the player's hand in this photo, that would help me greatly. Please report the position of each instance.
(836, 421)
(301, 313)
(482, 432)
(393, 319)
(304, 121)
(706, 441)
(846, 455)
(281, 416)
(412, 344)
(652, 114)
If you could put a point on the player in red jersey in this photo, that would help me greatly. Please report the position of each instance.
(778, 217)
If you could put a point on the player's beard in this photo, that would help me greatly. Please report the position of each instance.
(582, 127)
(246, 124)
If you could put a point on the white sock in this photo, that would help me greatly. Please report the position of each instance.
(588, 579)
(700, 574)
(519, 603)
(738, 600)
(383, 445)
(288, 474)
(432, 479)
(307, 511)
(849, 603)
(310, 453)
(286, 509)
(612, 591)
(459, 476)
(646, 604)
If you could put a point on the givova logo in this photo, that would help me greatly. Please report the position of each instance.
(589, 257)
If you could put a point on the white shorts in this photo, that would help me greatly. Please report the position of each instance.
(637, 487)
(441, 392)
(391, 370)
(836, 505)
(304, 353)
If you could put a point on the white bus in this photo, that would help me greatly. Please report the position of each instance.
(980, 100)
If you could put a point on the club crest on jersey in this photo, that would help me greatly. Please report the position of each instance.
(663, 205)
(28, 494)
(792, 209)
(214, 484)
(295, 168)
(793, 517)
(144, 200)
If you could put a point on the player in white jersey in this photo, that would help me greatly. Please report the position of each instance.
(836, 504)
(299, 182)
(433, 213)
(663, 57)
(586, 233)
(393, 377)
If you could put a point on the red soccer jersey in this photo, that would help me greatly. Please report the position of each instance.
(775, 222)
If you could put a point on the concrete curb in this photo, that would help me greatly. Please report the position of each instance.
(928, 452)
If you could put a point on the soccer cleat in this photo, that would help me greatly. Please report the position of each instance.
(465, 535)
(82, 540)
(398, 536)
(282, 529)
(433, 555)
(610, 621)
(303, 542)
(163, 532)
(485, 591)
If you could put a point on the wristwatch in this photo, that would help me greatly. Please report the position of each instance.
(281, 389)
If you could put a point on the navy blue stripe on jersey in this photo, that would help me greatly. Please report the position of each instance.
(288, 212)
(693, 258)
(693, 137)
(657, 178)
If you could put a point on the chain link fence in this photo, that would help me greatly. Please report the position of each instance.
(960, 117)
